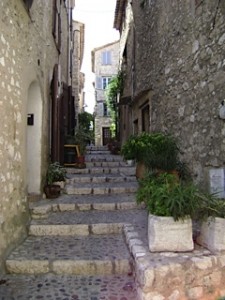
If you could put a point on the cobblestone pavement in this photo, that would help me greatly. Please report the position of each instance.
(55, 287)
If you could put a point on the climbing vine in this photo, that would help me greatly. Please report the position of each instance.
(114, 88)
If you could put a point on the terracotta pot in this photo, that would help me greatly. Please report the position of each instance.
(52, 191)
(80, 159)
(141, 170)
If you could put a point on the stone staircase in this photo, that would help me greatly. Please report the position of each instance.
(79, 239)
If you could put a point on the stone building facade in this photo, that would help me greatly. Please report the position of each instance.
(78, 77)
(35, 38)
(174, 79)
(105, 62)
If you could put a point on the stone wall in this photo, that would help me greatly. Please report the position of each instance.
(179, 57)
(27, 54)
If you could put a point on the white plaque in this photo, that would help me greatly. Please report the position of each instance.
(217, 184)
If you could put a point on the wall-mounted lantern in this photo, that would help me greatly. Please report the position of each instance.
(30, 119)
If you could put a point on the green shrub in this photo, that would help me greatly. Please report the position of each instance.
(164, 195)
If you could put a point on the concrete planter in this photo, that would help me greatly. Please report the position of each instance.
(212, 234)
(165, 234)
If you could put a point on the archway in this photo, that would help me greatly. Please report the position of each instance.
(34, 128)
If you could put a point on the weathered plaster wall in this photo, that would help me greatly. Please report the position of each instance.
(179, 55)
(27, 54)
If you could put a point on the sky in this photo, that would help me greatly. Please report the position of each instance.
(98, 17)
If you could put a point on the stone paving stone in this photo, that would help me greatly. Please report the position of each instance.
(65, 287)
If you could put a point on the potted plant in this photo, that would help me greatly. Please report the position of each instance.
(82, 138)
(55, 174)
(212, 223)
(128, 150)
(171, 205)
(152, 151)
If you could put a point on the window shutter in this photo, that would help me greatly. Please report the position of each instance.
(106, 58)
(109, 57)
(103, 58)
(98, 83)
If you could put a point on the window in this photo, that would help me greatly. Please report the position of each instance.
(105, 82)
(106, 58)
(102, 82)
(105, 110)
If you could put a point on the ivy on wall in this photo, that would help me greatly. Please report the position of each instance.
(114, 88)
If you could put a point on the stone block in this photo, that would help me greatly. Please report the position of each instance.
(84, 206)
(41, 210)
(67, 207)
(104, 206)
(103, 228)
(27, 266)
(126, 205)
(61, 230)
(82, 267)
(164, 234)
(212, 234)
(122, 266)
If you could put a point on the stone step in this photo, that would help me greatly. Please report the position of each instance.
(101, 189)
(81, 255)
(99, 178)
(104, 158)
(73, 287)
(88, 222)
(43, 208)
(124, 170)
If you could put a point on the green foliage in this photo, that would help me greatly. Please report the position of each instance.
(129, 149)
(164, 195)
(210, 206)
(86, 120)
(156, 150)
(84, 134)
(55, 173)
(114, 88)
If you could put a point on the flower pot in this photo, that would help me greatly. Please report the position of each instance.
(52, 191)
(141, 170)
(212, 234)
(165, 234)
(80, 159)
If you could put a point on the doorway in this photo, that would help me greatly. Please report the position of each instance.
(106, 135)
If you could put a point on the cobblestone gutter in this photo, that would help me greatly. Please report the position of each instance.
(197, 275)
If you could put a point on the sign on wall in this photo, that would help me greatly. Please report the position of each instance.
(217, 182)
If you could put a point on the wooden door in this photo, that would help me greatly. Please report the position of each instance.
(106, 135)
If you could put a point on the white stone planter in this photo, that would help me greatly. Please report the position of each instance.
(212, 234)
(165, 234)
